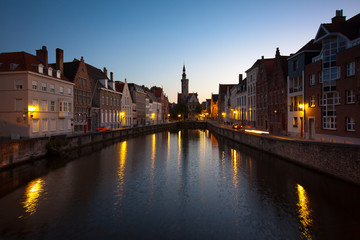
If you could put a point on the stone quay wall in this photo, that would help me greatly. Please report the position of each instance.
(336, 159)
(13, 153)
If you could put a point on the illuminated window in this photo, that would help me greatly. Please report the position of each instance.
(295, 122)
(312, 101)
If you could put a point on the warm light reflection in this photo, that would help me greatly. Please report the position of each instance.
(179, 146)
(235, 169)
(121, 170)
(153, 151)
(256, 131)
(32, 195)
(304, 211)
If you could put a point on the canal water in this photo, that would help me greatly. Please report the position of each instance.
(183, 185)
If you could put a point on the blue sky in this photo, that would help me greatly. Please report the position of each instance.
(147, 42)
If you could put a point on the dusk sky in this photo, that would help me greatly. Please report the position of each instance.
(148, 42)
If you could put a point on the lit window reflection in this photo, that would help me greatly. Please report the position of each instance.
(32, 195)
(121, 169)
(304, 211)
(235, 169)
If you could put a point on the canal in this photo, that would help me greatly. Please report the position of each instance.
(183, 185)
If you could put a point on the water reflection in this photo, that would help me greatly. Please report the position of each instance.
(121, 171)
(304, 211)
(234, 157)
(33, 193)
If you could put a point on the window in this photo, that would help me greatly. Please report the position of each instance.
(312, 79)
(44, 106)
(350, 69)
(34, 85)
(52, 88)
(52, 106)
(107, 100)
(61, 90)
(43, 87)
(44, 125)
(52, 125)
(312, 101)
(295, 122)
(69, 107)
(18, 104)
(329, 122)
(35, 125)
(65, 107)
(69, 124)
(350, 124)
(60, 106)
(69, 91)
(103, 100)
(350, 97)
(19, 84)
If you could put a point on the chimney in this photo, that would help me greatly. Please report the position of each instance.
(262, 57)
(339, 18)
(42, 55)
(105, 71)
(111, 76)
(60, 60)
(277, 53)
(240, 78)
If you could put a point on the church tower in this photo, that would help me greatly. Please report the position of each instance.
(184, 86)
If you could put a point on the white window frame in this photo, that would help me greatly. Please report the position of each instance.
(34, 85)
(44, 125)
(350, 69)
(350, 97)
(312, 80)
(350, 124)
(44, 87)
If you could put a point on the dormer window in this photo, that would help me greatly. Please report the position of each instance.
(58, 73)
(13, 66)
(50, 71)
(41, 68)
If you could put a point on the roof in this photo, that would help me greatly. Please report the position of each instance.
(22, 61)
(269, 65)
(349, 28)
(223, 88)
(308, 47)
(95, 74)
(119, 86)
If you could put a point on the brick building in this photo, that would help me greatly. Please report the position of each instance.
(332, 82)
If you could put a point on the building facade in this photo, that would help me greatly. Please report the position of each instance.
(332, 85)
(37, 100)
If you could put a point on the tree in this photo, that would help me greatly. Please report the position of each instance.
(182, 109)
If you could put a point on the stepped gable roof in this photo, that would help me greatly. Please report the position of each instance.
(22, 61)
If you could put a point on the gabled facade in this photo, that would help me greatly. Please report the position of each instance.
(139, 98)
(335, 92)
(37, 100)
(277, 96)
(126, 112)
(106, 100)
(76, 72)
